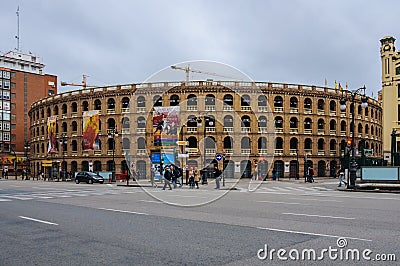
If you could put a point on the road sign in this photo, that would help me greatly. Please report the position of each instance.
(218, 156)
(182, 142)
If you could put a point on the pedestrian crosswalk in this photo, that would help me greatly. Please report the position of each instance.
(288, 189)
(67, 193)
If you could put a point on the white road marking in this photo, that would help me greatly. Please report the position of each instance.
(280, 189)
(15, 197)
(36, 220)
(316, 199)
(151, 201)
(113, 210)
(183, 196)
(5, 200)
(280, 202)
(320, 216)
(312, 234)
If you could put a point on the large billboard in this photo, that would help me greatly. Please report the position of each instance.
(91, 130)
(165, 125)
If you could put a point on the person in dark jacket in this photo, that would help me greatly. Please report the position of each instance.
(167, 178)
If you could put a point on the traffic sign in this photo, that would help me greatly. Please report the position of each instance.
(182, 142)
(193, 150)
(218, 156)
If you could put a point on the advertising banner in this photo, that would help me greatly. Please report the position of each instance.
(51, 130)
(165, 125)
(91, 130)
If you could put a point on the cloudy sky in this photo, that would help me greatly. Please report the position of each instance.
(120, 42)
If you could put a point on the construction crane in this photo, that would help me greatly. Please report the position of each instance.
(83, 84)
(187, 69)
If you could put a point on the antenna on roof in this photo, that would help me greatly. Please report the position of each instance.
(17, 36)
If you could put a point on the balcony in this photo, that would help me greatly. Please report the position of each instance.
(278, 130)
(262, 109)
(307, 131)
(321, 152)
(332, 113)
(141, 109)
(294, 110)
(210, 129)
(228, 151)
(342, 114)
(308, 151)
(321, 131)
(74, 114)
(307, 110)
(210, 107)
(342, 133)
(293, 152)
(278, 109)
(262, 151)
(125, 110)
(262, 130)
(97, 152)
(245, 129)
(191, 129)
(228, 129)
(321, 112)
(332, 153)
(210, 151)
(332, 132)
(141, 130)
(245, 108)
(141, 152)
(228, 108)
(278, 152)
(245, 151)
(110, 111)
(125, 130)
(191, 108)
(294, 131)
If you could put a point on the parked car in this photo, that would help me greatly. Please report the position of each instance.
(88, 177)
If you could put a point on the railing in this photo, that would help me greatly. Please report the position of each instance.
(278, 109)
(278, 152)
(141, 109)
(307, 131)
(210, 107)
(332, 152)
(293, 130)
(228, 129)
(228, 151)
(125, 110)
(210, 151)
(293, 152)
(246, 151)
(125, 130)
(278, 130)
(228, 108)
(307, 110)
(262, 151)
(294, 110)
(262, 130)
(110, 111)
(245, 129)
(191, 108)
(191, 129)
(245, 108)
(141, 152)
(210, 129)
(308, 151)
(321, 112)
(321, 131)
(321, 152)
(141, 130)
(342, 133)
(332, 132)
(262, 109)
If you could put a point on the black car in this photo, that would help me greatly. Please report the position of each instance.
(88, 177)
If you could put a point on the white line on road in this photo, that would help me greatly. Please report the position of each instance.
(151, 201)
(15, 197)
(316, 199)
(36, 220)
(5, 200)
(280, 202)
(113, 210)
(320, 216)
(312, 234)
(183, 196)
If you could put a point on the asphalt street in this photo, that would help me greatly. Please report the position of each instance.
(45, 223)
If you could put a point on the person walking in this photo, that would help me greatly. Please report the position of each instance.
(217, 178)
(196, 177)
(167, 178)
(152, 176)
(191, 178)
(173, 175)
(341, 177)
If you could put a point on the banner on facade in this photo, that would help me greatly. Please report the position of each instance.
(165, 125)
(91, 130)
(51, 132)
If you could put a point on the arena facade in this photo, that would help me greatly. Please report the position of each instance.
(255, 126)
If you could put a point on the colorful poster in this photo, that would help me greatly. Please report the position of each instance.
(51, 132)
(165, 125)
(91, 130)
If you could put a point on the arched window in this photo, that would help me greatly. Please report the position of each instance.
(64, 109)
(85, 106)
(279, 122)
(210, 100)
(126, 144)
(174, 100)
(372, 130)
(228, 142)
(359, 110)
(74, 145)
(192, 100)
(64, 127)
(262, 122)
(307, 123)
(192, 142)
(141, 101)
(157, 100)
(245, 100)
(294, 102)
(111, 104)
(74, 126)
(360, 128)
(321, 105)
(141, 142)
(245, 143)
(332, 125)
(192, 121)
(228, 100)
(48, 112)
(294, 142)
(366, 129)
(321, 124)
(209, 143)
(126, 123)
(97, 104)
(278, 143)
(308, 144)
(245, 121)
(343, 126)
(293, 122)
(262, 101)
(307, 104)
(332, 106)
(125, 103)
(111, 123)
(321, 144)
(262, 143)
(209, 121)
(141, 122)
(74, 107)
(55, 110)
(228, 121)
(278, 101)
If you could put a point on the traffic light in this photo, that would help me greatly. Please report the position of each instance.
(349, 143)
(348, 146)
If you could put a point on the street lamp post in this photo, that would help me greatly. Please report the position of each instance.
(364, 104)
(26, 148)
(15, 163)
(63, 143)
(112, 133)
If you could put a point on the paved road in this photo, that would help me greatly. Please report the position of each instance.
(45, 223)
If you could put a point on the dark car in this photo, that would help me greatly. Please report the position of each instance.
(88, 177)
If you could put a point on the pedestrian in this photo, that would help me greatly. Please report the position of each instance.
(167, 178)
(134, 175)
(196, 177)
(217, 178)
(191, 178)
(6, 173)
(310, 175)
(173, 175)
(274, 174)
(341, 177)
(152, 176)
